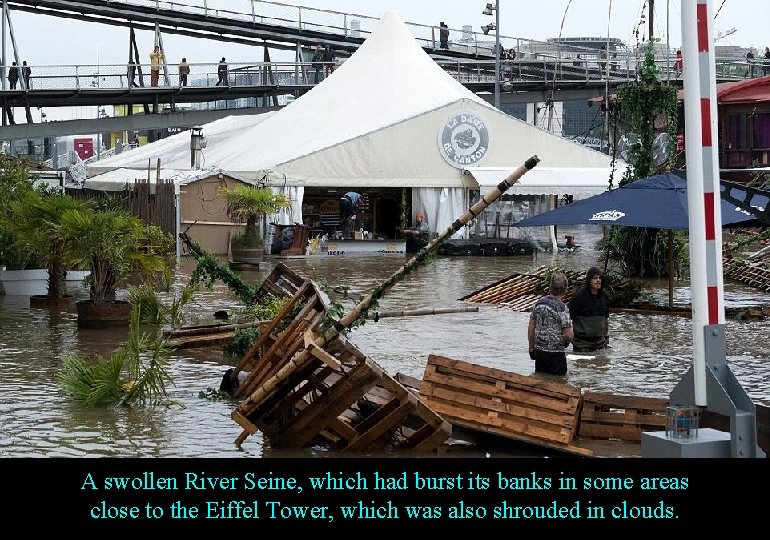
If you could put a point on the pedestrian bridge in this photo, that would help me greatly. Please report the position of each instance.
(551, 67)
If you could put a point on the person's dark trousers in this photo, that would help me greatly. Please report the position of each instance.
(550, 362)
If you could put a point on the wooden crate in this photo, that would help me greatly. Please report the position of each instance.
(503, 403)
(612, 416)
(305, 385)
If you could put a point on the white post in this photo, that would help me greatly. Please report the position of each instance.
(178, 221)
(703, 194)
(497, 54)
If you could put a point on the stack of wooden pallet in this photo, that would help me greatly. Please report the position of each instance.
(306, 385)
(529, 409)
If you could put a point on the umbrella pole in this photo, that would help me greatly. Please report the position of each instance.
(670, 269)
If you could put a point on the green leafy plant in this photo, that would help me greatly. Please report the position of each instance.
(37, 227)
(155, 310)
(137, 373)
(113, 244)
(246, 204)
(15, 184)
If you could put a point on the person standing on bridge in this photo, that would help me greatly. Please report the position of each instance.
(184, 71)
(13, 75)
(26, 72)
(328, 61)
(443, 34)
(222, 73)
(318, 63)
(156, 59)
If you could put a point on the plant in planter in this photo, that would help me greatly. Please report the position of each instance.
(15, 184)
(113, 245)
(36, 227)
(246, 204)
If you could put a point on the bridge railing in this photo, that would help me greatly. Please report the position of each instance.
(526, 68)
(112, 76)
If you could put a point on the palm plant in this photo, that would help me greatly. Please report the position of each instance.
(37, 227)
(247, 203)
(138, 372)
(113, 244)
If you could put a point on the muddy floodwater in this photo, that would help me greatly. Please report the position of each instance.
(649, 354)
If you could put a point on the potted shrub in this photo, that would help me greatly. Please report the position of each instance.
(246, 205)
(20, 273)
(113, 245)
(36, 226)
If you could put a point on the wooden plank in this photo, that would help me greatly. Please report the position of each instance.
(626, 402)
(503, 403)
(429, 436)
(621, 417)
(522, 396)
(381, 422)
(569, 448)
(317, 415)
(503, 426)
(467, 402)
(494, 374)
(198, 341)
(627, 417)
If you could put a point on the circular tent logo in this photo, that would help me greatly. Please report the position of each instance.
(463, 140)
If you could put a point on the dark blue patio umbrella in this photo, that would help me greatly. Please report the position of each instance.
(658, 202)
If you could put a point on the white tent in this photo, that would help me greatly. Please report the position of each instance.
(389, 116)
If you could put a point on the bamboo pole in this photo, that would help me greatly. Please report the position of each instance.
(360, 310)
(423, 311)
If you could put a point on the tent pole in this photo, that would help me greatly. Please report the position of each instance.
(670, 269)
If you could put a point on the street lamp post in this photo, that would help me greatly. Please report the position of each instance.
(488, 11)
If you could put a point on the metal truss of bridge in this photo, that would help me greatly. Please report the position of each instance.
(554, 66)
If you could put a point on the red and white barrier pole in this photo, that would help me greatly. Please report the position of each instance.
(702, 151)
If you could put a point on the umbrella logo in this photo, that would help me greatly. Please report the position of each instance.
(607, 215)
(463, 140)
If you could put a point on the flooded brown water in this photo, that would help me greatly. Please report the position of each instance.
(649, 354)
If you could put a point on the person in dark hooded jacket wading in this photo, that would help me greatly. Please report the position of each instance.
(589, 309)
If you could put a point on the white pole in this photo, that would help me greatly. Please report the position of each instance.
(177, 221)
(703, 196)
(497, 54)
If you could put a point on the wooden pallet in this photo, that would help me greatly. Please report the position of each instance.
(305, 386)
(619, 417)
(503, 403)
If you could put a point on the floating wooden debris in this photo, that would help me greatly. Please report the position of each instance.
(298, 392)
(611, 416)
(423, 311)
(502, 403)
(748, 272)
(189, 337)
(521, 292)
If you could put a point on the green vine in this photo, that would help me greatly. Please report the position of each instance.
(640, 103)
(643, 252)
